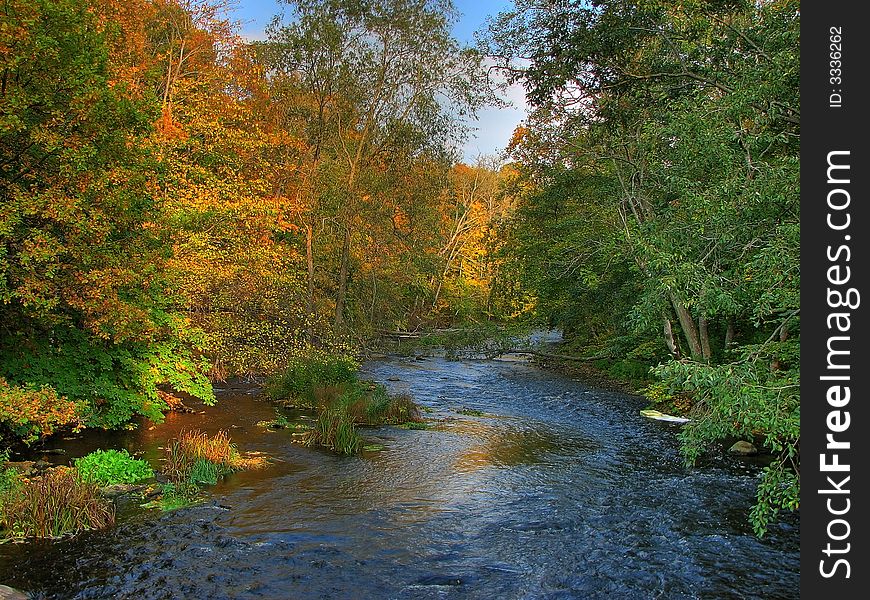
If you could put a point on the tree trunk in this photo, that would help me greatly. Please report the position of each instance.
(342, 280)
(687, 323)
(309, 258)
(729, 334)
(704, 338)
(669, 338)
(776, 365)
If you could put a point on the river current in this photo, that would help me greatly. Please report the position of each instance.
(556, 491)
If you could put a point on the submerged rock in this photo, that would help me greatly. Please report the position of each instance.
(743, 448)
(8, 593)
(440, 580)
(120, 489)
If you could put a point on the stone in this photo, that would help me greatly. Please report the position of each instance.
(8, 593)
(743, 448)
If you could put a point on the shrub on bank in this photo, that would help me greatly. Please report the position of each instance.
(31, 413)
(110, 467)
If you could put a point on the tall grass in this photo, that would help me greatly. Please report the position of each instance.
(191, 449)
(194, 459)
(52, 505)
(303, 374)
(334, 429)
(329, 385)
(341, 408)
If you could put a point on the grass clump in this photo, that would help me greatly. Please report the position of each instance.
(174, 496)
(342, 408)
(194, 459)
(471, 412)
(52, 505)
(110, 467)
(282, 422)
(205, 472)
(194, 448)
(334, 429)
(302, 375)
(343, 402)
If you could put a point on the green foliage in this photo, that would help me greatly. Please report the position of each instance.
(658, 197)
(9, 477)
(341, 408)
(330, 385)
(747, 399)
(469, 340)
(111, 382)
(109, 467)
(175, 495)
(471, 412)
(205, 472)
(52, 505)
(303, 374)
(83, 294)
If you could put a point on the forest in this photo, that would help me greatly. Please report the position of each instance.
(180, 205)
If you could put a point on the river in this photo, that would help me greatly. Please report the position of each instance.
(557, 491)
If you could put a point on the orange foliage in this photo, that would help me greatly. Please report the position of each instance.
(33, 413)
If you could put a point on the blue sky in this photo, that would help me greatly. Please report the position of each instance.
(493, 127)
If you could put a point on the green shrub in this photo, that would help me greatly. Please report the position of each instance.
(54, 504)
(109, 383)
(303, 374)
(109, 467)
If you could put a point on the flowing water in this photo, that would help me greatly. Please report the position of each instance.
(557, 491)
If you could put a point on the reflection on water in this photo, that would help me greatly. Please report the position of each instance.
(556, 491)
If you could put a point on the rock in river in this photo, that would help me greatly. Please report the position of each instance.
(742, 448)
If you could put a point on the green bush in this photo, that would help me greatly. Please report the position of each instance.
(107, 383)
(303, 374)
(109, 467)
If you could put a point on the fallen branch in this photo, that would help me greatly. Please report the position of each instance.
(558, 356)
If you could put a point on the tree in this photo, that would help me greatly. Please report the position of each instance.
(379, 76)
(688, 116)
(83, 300)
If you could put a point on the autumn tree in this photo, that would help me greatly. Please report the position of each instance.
(83, 299)
(383, 79)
